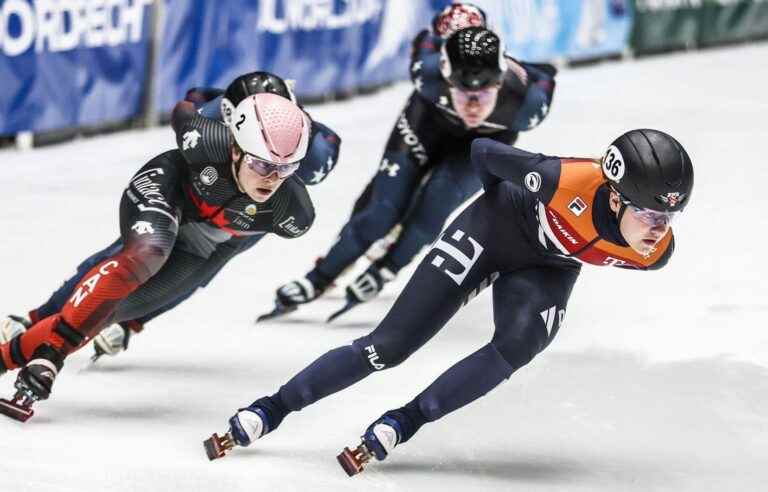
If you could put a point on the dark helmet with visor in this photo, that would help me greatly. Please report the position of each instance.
(472, 59)
(650, 170)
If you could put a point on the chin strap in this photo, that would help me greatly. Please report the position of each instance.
(622, 209)
(236, 170)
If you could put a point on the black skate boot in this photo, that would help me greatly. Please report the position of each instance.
(33, 383)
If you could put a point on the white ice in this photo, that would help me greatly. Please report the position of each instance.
(657, 381)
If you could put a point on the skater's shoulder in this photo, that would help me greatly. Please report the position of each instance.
(489, 150)
(294, 212)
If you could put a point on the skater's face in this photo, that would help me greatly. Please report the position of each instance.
(641, 229)
(253, 181)
(474, 107)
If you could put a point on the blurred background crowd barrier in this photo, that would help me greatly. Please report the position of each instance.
(80, 66)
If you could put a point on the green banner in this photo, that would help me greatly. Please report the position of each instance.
(729, 21)
(662, 25)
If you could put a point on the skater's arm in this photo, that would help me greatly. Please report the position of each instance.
(201, 140)
(322, 155)
(495, 162)
(536, 84)
(425, 66)
(207, 101)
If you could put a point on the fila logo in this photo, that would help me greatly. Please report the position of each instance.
(390, 168)
(373, 357)
(577, 206)
(88, 286)
(452, 251)
(190, 139)
(549, 315)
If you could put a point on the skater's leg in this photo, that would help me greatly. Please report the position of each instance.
(176, 281)
(390, 195)
(56, 302)
(408, 155)
(202, 278)
(440, 285)
(529, 306)
(95, 297)
(452, 182)
(449, 185)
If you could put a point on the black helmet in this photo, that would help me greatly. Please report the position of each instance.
(473, 59)
(650, 169)
(250, 84)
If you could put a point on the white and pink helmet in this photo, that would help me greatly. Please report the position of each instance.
(271, 128)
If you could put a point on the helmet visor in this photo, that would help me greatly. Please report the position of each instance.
(653, 218)
(482, 96)
(265, 168)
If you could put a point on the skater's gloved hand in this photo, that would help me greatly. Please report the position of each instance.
(111, 340)
(114, 339)
(369, 283)
(303, 290)
(247, 425)
(12, 326)
(299, 291)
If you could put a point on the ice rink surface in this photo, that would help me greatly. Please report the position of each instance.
(657, 381)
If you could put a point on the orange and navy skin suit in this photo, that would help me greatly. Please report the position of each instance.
(539, 221)
(180, 220)
(567, 202)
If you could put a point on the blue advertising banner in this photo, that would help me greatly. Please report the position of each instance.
(71, 63)
(542, 30)
(326, 46)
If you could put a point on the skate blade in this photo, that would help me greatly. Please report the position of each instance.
(276, 313)
(216, 447)
(14, 411)
(351, 461)
(347, 307)
(92, 363)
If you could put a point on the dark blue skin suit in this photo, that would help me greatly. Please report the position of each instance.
(430, 139)
(498, 239)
